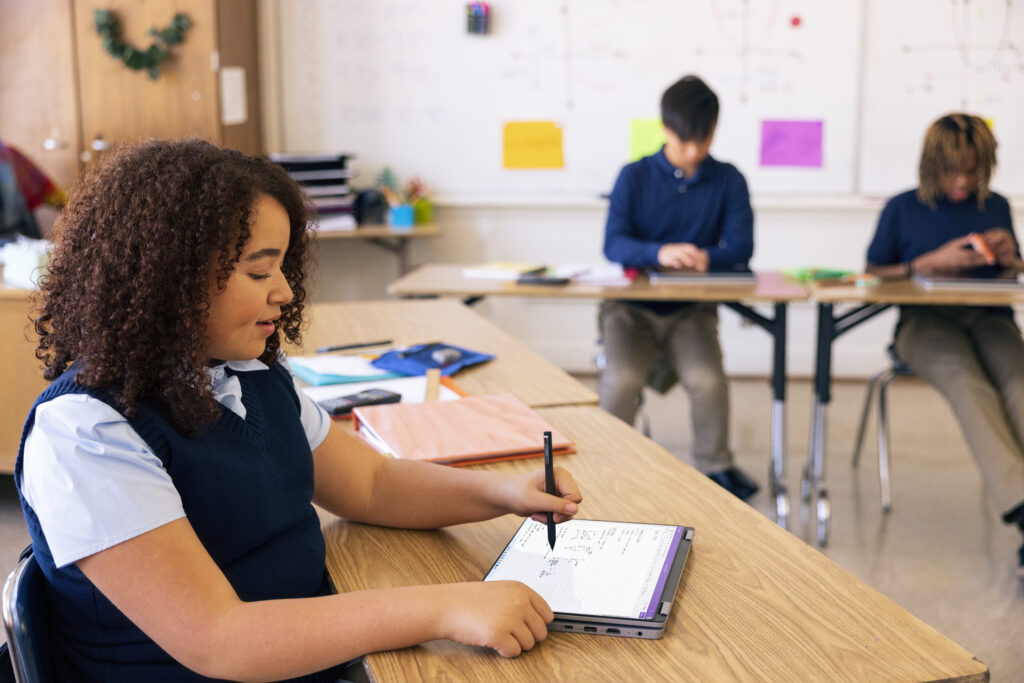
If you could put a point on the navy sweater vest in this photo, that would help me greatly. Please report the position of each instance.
(246, 486)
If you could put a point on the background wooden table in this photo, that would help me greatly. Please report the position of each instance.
(447, 280)
(755, 602)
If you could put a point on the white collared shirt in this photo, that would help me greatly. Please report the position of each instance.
(92, 480)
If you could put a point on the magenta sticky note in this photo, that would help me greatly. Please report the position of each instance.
(791, 143)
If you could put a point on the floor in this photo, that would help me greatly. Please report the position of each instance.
(940, 553)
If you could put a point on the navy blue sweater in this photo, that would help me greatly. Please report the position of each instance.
(246, 487)
(909, 228)
(652, 204)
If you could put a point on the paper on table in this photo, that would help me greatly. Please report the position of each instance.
(323, 369)
(607, 274)
(412, 389)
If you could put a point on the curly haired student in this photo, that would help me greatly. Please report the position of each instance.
(168, 473)
(973, 355)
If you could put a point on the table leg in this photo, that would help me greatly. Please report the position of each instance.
(777, 471)
(830, 327)
(776, 327)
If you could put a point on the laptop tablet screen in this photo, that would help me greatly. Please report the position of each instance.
(600, 568)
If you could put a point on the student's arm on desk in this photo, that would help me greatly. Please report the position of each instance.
(955, 256)
(355, 482)
(621, 244)
(166, 583)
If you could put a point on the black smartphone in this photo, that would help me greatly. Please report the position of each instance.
(343, 405)
(541, 279)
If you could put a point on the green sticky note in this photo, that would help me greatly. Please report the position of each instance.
(645, 137)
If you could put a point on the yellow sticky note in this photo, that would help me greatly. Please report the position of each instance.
(646, 137)
(991, 124)
(533, 144)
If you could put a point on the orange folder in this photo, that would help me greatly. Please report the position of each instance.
(468, 431)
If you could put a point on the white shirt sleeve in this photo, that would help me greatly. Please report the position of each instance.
(91, 479)
(315, 419)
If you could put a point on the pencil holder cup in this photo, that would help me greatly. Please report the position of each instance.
(401, 216)
(423, 211)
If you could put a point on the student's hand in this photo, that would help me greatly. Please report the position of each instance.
(1000, 241)
(506, 616)
(954, 256)
(524, 495)
(683, 255)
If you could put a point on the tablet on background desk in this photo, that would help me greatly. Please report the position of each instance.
(607, 578)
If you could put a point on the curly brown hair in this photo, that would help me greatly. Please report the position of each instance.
(127, 289)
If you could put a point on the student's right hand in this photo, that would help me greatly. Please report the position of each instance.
(683, 255)
(506, 616)
(954, 256)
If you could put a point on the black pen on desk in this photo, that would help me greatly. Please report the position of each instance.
(346, 347)
(549, 485)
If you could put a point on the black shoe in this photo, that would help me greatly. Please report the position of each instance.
(735, 482)
(1020, 562)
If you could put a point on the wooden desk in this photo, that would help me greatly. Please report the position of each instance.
(21, 375)
(771, 287)
(868, 302)
(755, 603)
(395, 240)
(515, 369)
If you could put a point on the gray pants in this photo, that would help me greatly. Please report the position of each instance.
(688, 339)
(975, 358)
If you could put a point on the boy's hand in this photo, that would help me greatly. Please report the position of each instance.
(1000, 241)
(524, 495)
(954, 256)
(506, 616)
(683, 255)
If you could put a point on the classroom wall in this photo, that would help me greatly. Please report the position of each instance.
(400, 83)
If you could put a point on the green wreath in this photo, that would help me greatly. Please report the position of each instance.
(109, 28)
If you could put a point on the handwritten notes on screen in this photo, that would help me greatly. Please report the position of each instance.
(614, 569)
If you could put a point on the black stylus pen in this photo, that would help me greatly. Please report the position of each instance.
(346, 347)
(549, 485)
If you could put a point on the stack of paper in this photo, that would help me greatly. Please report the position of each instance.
(463, 432)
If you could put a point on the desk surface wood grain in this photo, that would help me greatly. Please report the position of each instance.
(447, 280)
(755, 603)
(516, 369)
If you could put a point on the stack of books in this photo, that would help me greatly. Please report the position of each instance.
(324, 177)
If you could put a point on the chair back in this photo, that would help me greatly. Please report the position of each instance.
(27, 623)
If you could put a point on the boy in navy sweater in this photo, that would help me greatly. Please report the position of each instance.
(973, 355)
(678, 208)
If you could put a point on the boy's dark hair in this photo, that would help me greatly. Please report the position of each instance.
(138, 245)
(689, 108)
(945, 143)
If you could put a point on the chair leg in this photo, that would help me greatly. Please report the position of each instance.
(883, 442)
(645, 419)
(862, 427)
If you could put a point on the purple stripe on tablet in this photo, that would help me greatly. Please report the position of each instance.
(652, 609)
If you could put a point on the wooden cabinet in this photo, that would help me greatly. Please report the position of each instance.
(119, 104)
(38, 97)
(64, 98)
(60, 93)
(21, 374)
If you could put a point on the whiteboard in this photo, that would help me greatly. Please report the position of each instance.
(961, 55)
(402, 83)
